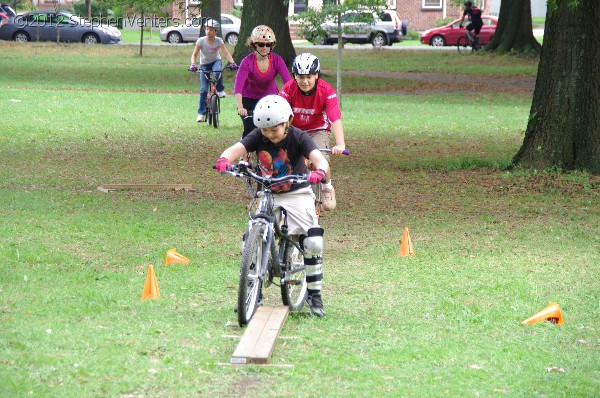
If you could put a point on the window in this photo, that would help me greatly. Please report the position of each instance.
(226, 21)
(432, 4)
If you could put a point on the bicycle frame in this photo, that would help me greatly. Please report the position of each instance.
(213, 102)
(264, 233)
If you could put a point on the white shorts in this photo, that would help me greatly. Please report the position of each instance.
(300, 208)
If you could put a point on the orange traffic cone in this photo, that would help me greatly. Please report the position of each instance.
(406, 247)
(174, 257)
(151, 286)
(551, 314)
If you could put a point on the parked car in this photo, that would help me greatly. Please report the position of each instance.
(62, 25)
(190, 30)
(448, 35)
(380, 28)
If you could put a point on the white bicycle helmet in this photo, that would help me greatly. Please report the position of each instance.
(212, 23)
(306, 64)
(271, 110)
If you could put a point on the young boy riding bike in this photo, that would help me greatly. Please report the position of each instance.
(281, 150)
(474, 27)
(316, 111)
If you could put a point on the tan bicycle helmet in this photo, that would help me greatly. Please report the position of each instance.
(263, 34)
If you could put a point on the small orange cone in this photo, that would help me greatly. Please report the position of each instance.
(551, 314)
(406, 247)
(151, 287)
(173, 257)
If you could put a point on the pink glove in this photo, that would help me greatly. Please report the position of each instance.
(316, 176)
(222, 165)
(193, 68)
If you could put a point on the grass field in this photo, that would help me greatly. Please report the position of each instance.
(492, 247)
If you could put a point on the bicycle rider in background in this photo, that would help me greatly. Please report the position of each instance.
(210, 48)
(281, 150)
(316, 111)
(474, 27)
(257, 73)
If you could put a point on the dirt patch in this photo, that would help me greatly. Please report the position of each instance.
(428, 83)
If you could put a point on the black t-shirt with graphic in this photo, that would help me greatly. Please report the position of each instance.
(285, 158)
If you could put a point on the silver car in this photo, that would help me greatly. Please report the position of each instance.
(379, 28)
(62, 26)
(190, 30)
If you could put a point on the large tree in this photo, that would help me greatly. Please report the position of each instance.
(266, 12)
(564, 121)
(514, 32)
(210, 9)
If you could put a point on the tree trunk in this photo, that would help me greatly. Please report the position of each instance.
(272, 13)
(211, 9)
(88, 9)
(564, 122)
(514, 31)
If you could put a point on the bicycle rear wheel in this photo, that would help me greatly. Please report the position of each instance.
(215, 105)
(249, 292)
(293, 286)
(464, 46)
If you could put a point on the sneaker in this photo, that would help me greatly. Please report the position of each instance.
(328, 199)
(315, 303)
(200, 118)
(221, 94)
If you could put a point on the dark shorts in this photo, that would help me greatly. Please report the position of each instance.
(475, 27)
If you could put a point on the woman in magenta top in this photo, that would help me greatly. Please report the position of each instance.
(256, 75)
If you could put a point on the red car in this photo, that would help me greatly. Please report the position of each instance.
(448, 35)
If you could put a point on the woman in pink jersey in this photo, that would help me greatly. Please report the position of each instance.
(316, 111)
(257, 72)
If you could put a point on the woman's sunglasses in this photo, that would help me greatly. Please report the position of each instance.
(269, 45)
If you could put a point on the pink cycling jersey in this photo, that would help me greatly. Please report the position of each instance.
(312, 112)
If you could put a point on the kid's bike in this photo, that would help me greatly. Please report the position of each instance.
(213, 101)
(467, 46)
(268, 251)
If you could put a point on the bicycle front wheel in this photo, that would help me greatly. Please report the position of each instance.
(249, 292)
(293, 285)
(464, 45)
(215, 105)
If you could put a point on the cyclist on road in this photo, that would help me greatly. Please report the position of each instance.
(257, 73)
(210, 48)
(474, 27)
(316, 111)
(281, 150)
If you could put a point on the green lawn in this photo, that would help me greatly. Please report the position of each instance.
(492, 247)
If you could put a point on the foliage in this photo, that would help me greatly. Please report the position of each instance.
(443, 21)
(99, 9)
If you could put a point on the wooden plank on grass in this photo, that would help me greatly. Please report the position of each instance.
(176, 187)
(258, 341)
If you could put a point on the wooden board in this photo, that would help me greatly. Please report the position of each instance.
(258, 341)
(176, 187)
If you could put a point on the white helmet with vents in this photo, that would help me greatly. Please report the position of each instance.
(272, 110)
(306, 64)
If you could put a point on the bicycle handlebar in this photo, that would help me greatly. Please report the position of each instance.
(242, 170)
(345, 152)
